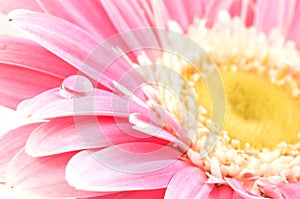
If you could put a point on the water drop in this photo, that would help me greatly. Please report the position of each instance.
(76, 86)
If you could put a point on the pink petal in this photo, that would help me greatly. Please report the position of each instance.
(7, 6)
(145, 194)
(213, 8)
(272, 14)
(178, 12)
(84, 171)
(240, 189)
(294, 31)
(273, 193)
(221, 192)
(73, 45)
(83, 132)
(193, 9)
(243, 9)
(89, 14)
(188, 183)
(290, 190)
(42, 176)
(26, 84)
(12, 142)
(64, 39)
(25, 53)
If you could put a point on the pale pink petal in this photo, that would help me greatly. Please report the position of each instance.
(87, 171)
(64, 39)
(188, 183)
(42, 176)
(221, 192)
(54, 103)
(160, 13)
(88, 14)
(26, 84)
(145, 194)
(82, 132)
(28, 54)
(240, 189)
(145, 125)
(51, 104)
(290, 190)
(7, 6)
(11, 143)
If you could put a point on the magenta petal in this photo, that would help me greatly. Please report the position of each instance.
(87, 171)
(82, 132)
(64, 39)
(42, 176)
(290, 190)
(145, 194)
(188, 183)
(26, 84)
(11, 143)
(28, 54)
(222, 192)
(7, 6)
(240, 189)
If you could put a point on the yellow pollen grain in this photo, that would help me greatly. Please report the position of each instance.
(258, 112)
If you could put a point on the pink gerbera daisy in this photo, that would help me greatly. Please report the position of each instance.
(101, 121)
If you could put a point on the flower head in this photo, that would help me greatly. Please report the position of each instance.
(130, 105)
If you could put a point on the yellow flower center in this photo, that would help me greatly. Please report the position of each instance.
(258, 112)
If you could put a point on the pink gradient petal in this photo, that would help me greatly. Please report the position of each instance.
(28, 54)
(86, 172)
(7, 6)
(221, 192)
(83, 132)
(290, 190)
(240, 189)
(42, 176)
(11, 143)
(30, 106)
(64, 39)
(145, 194)
(89, 14)
(188, 183)
(52, 103)
(28, 83)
